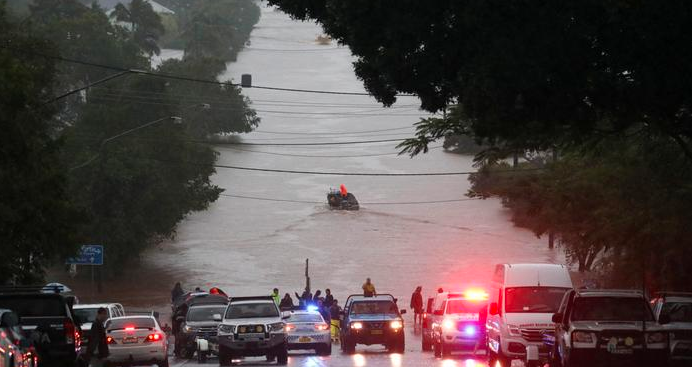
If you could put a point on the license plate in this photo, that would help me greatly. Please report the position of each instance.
(469, 317)
(130, 340)
(376, 332)
(304, 339)
(622, 351)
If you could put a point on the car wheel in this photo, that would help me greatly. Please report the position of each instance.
(201, 357)
(425, 344)
(282, 356)
(188, 353)
(348, 346)
(224, 357)
(324, 350)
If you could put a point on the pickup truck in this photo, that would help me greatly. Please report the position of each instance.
(46, 319)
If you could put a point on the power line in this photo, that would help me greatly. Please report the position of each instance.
(322, 173)
(247, 197)
(320, 156)
(183, 78)
(311, 144)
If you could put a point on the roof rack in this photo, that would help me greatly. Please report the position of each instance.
(630, 291)
(252, 298)
(665, 294)
(30, 289)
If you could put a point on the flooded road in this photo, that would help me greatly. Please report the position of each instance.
(258, 235)
(248, 246)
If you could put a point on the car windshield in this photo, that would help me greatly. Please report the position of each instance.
(86, 314)
(610, 309)
(305, 318)
(35, 306)
(373, 307)
(533, 299)
(204, 313)
(252, 310)
(678, 311)
(459, 306)
(131, 322)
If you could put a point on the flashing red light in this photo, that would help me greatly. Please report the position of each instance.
(154, 337)
(476, 294)
(322, 327)
(110, 340)
(129, 328)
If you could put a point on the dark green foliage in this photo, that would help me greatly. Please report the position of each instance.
(131, 191)
(37, 221)
(145, 25)
(528, 73)
(619, 208)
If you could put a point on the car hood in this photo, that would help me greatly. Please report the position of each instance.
(255, 321)
(530, 320)
(201, 323)
(374, 317)
(598, 326)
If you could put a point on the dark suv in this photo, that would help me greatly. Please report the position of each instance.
(45, 318)
(372, 320)
(607, 328)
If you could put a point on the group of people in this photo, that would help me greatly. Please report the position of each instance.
(326, 305)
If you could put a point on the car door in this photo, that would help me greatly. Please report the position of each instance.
(562, 327)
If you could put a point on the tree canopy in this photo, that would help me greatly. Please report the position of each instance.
(531, 73)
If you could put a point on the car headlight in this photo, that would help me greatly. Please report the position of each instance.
(188, 329)
(226, 329)
(582, 337)
(449, 324)
(356, 325)
(276, 327)
(396, 324)
(654, 338)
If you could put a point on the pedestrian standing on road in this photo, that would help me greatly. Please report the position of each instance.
(417, 305)
(335, 313)
(369, 288)
(325, 312)
(276, 297)
(328, 298)
(176, 292)
(97, 350)
(304, 299)
(286, 303)
(318, 295)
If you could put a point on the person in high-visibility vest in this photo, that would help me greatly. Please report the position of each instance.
(276, 297)
(335, 310)
(369, 288)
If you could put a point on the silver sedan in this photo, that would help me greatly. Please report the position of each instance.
(308, 330)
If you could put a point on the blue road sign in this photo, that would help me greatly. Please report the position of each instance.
(88, 255)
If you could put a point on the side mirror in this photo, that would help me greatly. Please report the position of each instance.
(285, 315)
(664, 319)
(402, 312)
(438, 312)
(493, 309)
(217, 317)
(557, 318)
(9, 320)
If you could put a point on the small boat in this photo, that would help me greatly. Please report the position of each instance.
(339, 201)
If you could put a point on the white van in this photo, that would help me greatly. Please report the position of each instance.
(523, 299)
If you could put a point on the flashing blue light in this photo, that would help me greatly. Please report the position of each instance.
(312, 308)
(470, 330)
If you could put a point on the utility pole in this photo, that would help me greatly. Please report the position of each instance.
(307, 275)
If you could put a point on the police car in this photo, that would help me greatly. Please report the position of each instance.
(308, 330)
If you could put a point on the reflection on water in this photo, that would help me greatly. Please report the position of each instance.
(396, 359)
(359, 360)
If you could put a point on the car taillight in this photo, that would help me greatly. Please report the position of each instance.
(110, 340)
(71, 333)
(321, 327)
(290, 327)
(154, 337)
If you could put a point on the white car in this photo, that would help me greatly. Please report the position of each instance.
(676, 309)
(136, 340)
(308, 330)
(86, 314)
